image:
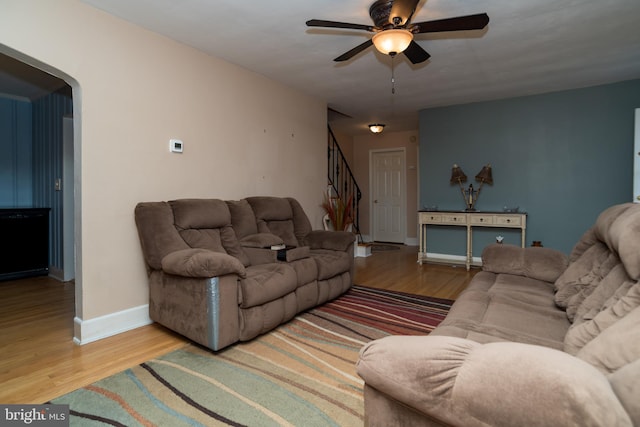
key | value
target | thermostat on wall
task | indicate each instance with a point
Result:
(176, 146)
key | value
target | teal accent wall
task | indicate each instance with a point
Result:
(562, 157)
(16, 157)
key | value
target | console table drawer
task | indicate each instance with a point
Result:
(430, 218)
(481, 219)
(454, 219)
(514, 220)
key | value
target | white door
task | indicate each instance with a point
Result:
(636, 160)
(388, 196)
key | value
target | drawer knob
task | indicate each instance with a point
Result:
(508, 220)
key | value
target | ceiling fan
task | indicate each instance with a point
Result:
(394, 31)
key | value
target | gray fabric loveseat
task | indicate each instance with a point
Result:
(537, 339)
(214, 278)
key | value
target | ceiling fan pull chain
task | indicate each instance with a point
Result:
(393, 78)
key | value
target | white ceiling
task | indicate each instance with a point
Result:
(529, 47)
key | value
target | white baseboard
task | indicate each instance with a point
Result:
(86, 331)
(454, 259)
(411, 241)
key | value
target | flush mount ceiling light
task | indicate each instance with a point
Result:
(376, 128)
(392, 42)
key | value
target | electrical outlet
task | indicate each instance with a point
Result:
(58, 184)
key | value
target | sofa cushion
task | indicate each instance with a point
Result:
(625, 382)
(266, 282)
(580, 273)
(607, 287)
(606, 219)
(269, 208)
(599, 271)
(588, 239)
(618, 306)
(281, 228)
(260, 240)
(274, 215)
(491, 310)
(200, 213)
(623, 238)
(206, 224)
(330, 263)
(158, 235)
(243, 219)
(538, 263)
(301, 224)
(616, 346)
(217, 240)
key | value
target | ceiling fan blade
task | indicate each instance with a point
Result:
(334, 24)
(353, 52)
(402, 9)
(416, 53)
(469, 22)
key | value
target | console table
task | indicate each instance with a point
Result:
(468, 220)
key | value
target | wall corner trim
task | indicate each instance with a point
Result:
(87, 331)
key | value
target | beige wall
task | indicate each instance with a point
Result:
(346, 145)
(133, 91)
(362, 146)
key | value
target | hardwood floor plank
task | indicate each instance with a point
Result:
(39, 361)
(399, 270)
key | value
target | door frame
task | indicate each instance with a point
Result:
(636, 160)
(403, 192)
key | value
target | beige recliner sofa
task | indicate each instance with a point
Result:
(214, 278)
(537, 339)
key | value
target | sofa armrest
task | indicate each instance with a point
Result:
(201, 263)
(206, 310)
(334, 240)
(461, 382)
(537, 263)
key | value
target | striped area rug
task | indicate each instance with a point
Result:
(301, 374)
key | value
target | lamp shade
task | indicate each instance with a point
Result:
(485, 175)
(392, 41)
(376, 127)
(457, 175)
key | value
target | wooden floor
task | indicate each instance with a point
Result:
(39, 361)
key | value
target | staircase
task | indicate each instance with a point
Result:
(342, 183)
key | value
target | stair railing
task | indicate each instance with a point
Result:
(342, 181)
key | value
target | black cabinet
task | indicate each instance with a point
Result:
(24, 242)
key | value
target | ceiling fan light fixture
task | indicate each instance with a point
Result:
(391, 42)
(376, 127)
